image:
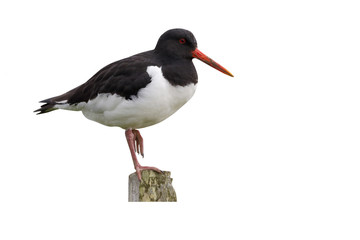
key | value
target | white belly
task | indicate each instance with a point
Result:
(154, 103)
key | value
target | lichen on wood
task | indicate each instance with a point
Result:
(154, 187)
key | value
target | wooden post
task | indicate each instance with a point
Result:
(154, 187)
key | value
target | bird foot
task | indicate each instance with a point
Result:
(136, 145)
(140, 168)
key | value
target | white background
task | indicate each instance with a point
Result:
(270, 154)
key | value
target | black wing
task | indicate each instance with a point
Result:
(124, 77)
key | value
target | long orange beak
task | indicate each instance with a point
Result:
(199, 55)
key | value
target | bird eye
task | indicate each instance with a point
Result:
(182, 40)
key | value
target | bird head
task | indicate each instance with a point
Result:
(181, 44)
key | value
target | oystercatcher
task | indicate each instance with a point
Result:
(139, 91)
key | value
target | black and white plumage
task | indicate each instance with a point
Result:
(139, 91)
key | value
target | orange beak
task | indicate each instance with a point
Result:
(199, 55)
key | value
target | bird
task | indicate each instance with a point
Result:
(139, 91)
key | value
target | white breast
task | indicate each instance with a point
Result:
(154, 103)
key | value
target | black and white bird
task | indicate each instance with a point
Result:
(139, 91)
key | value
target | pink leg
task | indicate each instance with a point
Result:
(138, 143)
(135, 142)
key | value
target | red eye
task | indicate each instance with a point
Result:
(182, 40)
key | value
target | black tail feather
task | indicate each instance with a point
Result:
(50, 103)
(47, 107)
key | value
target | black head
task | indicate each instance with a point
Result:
(176, 43)
(181, 44)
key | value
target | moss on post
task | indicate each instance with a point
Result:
(154, 187)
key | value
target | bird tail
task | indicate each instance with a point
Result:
(53, 103)
(50, 105)
(47, 107)
(58, 102)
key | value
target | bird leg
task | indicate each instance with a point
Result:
(138, 142)
(135, 142)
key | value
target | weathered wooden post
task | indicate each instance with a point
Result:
(154, 187)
